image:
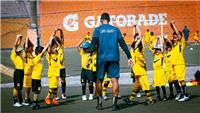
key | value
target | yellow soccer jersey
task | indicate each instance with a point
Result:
(37, 68)
(178, 51)
(158, 61)
(85, 62)
(197, 36)
(139, 62)
(168, 61)
(53, 65)
(94, 62)
(147, 36)
(17, 60)
(61, 57)
(28, 67)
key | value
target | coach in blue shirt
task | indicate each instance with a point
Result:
(108, 38)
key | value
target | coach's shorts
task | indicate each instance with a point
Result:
(27, 81)
(53, 82)
(18, 78)
(87, 75)
(36, 85)
(109, 67)
(62, 73)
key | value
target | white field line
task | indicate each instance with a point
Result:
(125, 78)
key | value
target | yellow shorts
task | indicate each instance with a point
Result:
(180, 71)
(171, 75)
(159, 78)
(143, 81)
(139, 70)
(27, 81)
(53, 82)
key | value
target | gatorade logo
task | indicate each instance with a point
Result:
(70, 22)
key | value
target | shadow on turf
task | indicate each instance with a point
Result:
(61, 103)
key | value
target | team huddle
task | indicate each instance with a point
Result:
(100, 66)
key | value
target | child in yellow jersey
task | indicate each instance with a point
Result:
(147, 36)
(179, 62)
(196, 37)
(52, 58)
(18, 76)
(37, 74)
(87, 70)
(139, 70)
(169, 70)
(60, 42)
(159, 79)
(28, 57)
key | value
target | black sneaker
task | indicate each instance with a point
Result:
(99, 107)
(149, 102)
(128, 101)
(115, 107)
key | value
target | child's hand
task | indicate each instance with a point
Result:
(19, 36)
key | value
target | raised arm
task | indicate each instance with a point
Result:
(61, 35)
(17, 41)
(174, 28)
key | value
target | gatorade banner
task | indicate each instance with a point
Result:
(78, 18)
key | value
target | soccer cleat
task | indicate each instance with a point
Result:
(115, 107)
(64, 97)
(55, 102)
(128, 101)
(178, 96)
(105, 97)
(48, 101)
(148, 102)
(57, 98)
(119, 96)
(164, 98)
(91, 97)
(84, 97)
(17, 104)
(139, 95)
(183, 98)
(35, 106)
(25, 103)
(99, 107)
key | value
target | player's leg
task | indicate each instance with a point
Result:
(63, 83)
(158, 93)
(83, 84)
(27, 89)
(101, 69)
(171, 94)
(164, 93)
(36, 88)
(90, 77)
(113, 73)
(135, 87)
(104, 89)
(48, 99)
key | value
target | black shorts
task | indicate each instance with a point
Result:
(18, 78)
(36, 85)
(87, 75)
(62, 73)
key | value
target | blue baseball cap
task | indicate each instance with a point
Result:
(85, 45)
